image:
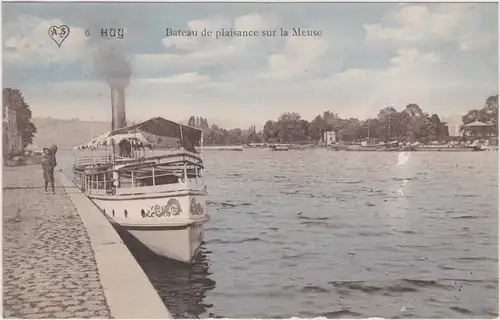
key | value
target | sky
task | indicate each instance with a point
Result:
(442, 56)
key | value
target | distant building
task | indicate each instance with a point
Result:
(12, 140)
(454, 129)
(454, 123)
(329, 137)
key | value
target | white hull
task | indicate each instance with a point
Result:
(490, 148)
(448, 149)
(181, 245)
(222, 148)
(167, 219)
(279, 148)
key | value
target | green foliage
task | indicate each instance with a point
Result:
(14, 98)
(488, 114)
(411, 124)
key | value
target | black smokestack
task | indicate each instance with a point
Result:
(115, 69)
(119, 119)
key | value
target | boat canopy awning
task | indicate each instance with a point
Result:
(135, 139)
(136, 134)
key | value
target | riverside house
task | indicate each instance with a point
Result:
(12, 140)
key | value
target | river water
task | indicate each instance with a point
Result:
(339, 234)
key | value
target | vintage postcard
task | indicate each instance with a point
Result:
(250, 160)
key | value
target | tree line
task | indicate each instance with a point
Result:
(14, 98)
(488, 114)
(410, 124)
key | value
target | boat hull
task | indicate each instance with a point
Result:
(448, 149)
(376, 149)
(279, 148)
(179, 243)
(339, 147)
(222, 148)
(490, 148)
(169, 225)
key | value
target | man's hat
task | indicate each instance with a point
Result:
(53, 149)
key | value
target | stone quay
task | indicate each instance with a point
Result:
(63, 259)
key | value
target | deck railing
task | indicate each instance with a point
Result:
(107, 159)
(159, 170)
(93, 160)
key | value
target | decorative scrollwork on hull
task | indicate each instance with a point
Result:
(195, 208)
(172, 208)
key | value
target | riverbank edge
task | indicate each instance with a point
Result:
(128, 291)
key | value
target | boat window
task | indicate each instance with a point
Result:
(193, 173)
(158, 175)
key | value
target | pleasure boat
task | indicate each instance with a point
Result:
(448, 148)
(338, 147)
(279, 147)
(156, 195)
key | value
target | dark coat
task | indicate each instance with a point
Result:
(48, 164)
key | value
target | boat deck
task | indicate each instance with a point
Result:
(98, 173)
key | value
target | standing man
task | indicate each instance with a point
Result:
(48, 165)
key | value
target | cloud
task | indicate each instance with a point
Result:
(253, 21)
(26, 42)
(200, 50)
(369, 56)
(198, 42)
(412, 77)
(409, 67)
(184, 78)
(187, 54)
(299, 55)
(423, 24)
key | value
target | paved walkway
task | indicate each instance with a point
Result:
(49, 270)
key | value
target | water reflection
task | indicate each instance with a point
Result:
(182, 287)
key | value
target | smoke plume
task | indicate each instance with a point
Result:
(115, 69)
(112, 66)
